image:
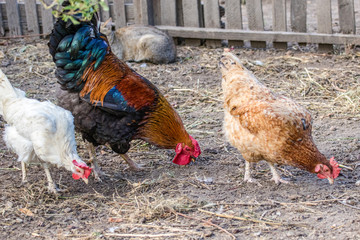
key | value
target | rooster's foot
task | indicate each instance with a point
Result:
(133, 166)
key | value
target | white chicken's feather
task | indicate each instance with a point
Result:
(35, 128)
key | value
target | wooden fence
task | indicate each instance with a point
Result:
(210, 20)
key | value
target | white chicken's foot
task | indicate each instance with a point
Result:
(247, 176)
(93, 160)
(276, 177)
(132, 165)
(23, 170)
(51, 185)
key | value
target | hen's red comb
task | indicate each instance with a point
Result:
(336, 169)
(87, 170)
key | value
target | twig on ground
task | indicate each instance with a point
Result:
(251, 220)
(142, 235)
(310, 203)
(207, 222)
(345, 204)
(343, 166)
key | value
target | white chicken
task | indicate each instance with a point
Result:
(39, 132)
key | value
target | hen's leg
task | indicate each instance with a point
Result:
(93, 161)
(23, 170)
(133, 166)
(51, 185)
(276, 177)
(247, 176)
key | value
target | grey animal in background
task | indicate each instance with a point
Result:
(144, 43)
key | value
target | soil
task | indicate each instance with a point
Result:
(167, 201)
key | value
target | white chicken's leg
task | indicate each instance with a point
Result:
(133, 166)
(247, 176)
(276, 177)
(23, 170)
(93, 161)
(51, 185)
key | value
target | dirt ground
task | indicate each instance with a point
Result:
(208, 199)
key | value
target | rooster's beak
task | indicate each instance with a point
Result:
(331, 180)
(85, 180)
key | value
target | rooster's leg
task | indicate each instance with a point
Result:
(23, 170)
(51, 185)
(276, 177)
(93, 161)
(247, 176)
(133, 166)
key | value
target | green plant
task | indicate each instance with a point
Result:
(84, 7)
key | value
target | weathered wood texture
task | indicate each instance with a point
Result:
(324, 21)
(298, 15)
(191, 18)
(256, 20)
(347, 16)
(119, 13)
(47, 19)
(271, 36)
(212, 19)
(31, 17)
(233, 18)
(13, 16)
(2, 27)
(168, 12)
(105, 15)
(141, 8)
(279, 20)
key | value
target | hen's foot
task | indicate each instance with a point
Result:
(280, 180)
(252, 180)
(276, 177)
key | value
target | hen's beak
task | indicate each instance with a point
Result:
(331, 180)
(193, 159)
(85, 180)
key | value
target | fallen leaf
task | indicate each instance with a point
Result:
(26, 211)
(115, 220)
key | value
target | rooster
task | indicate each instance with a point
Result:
(111, 103)
(39, 131)
(267, 126)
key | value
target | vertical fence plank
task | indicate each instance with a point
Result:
(105, 15)
(13, 16)
(256, 20)
(168, 12)
(279, 20)
(156, 7)
(212, 19)
(47, 18)
(119, 13)
(324, 22)
(31, 17)
(347, 16)
(298, 16)
(141, 12)
(191, 18)
(2, 28)
(179, 13)
(233, 18)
